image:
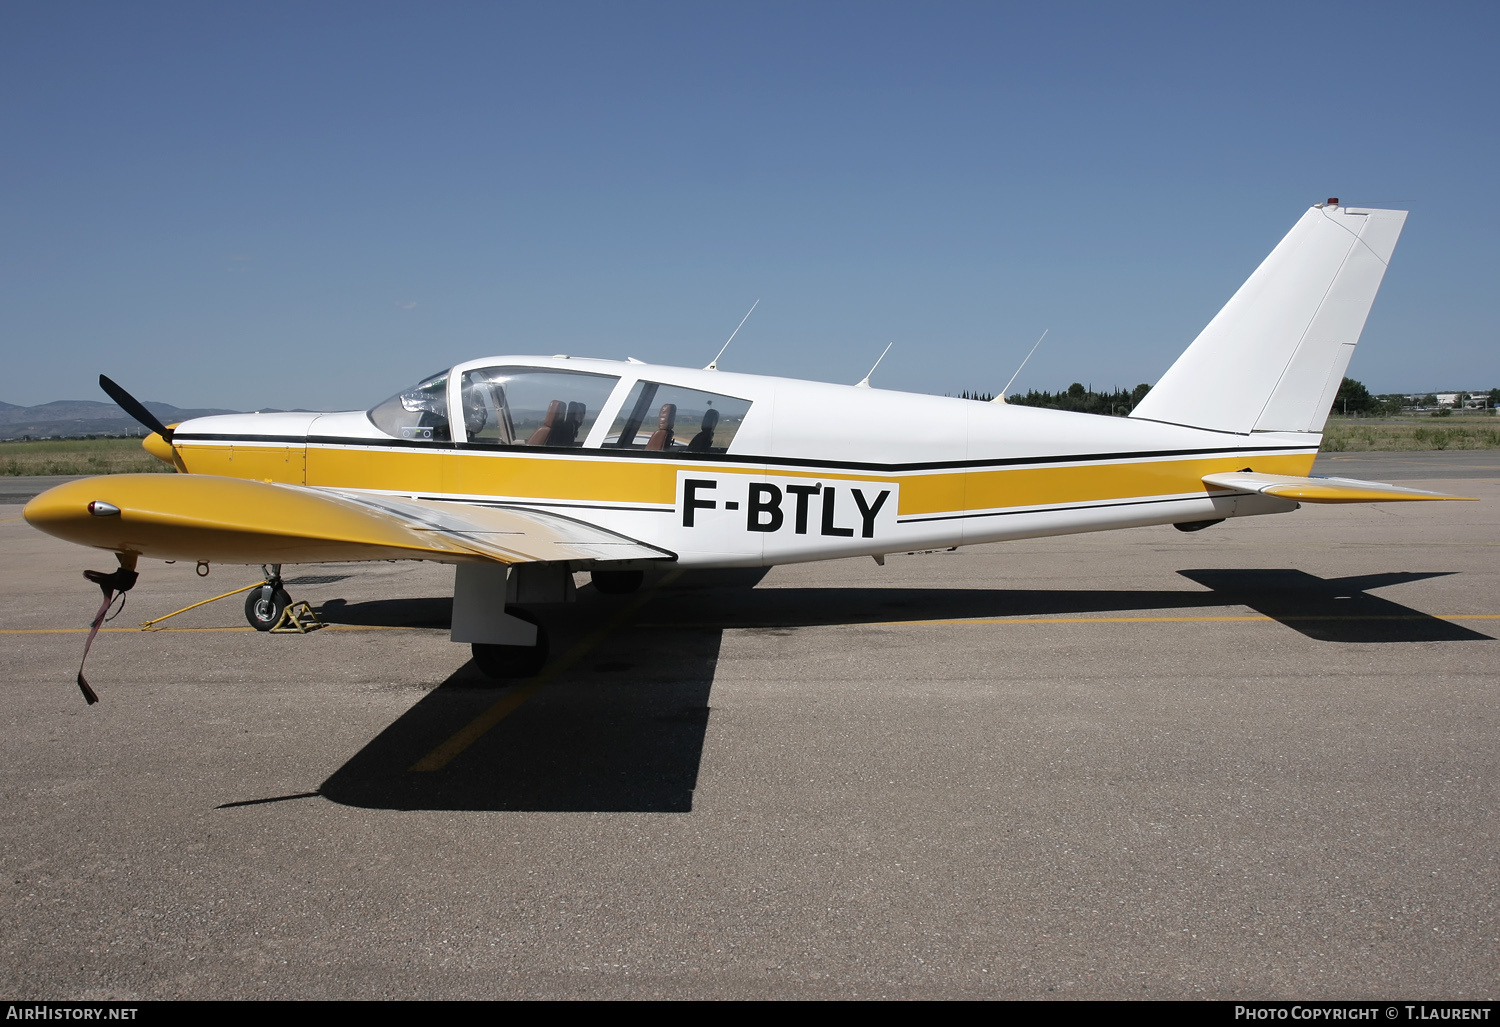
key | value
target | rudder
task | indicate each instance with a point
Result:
(1273, 358)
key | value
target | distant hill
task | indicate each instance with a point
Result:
(69, 418)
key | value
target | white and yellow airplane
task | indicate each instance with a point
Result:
(522, 470)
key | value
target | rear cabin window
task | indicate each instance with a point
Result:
(523, 406)
(669, 418)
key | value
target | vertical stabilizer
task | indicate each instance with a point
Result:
(1273, 358)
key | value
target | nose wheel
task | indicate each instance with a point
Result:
(265, 604)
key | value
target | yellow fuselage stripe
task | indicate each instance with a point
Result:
(654, 482)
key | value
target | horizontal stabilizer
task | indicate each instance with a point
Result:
(1319, 489)
(232, 520)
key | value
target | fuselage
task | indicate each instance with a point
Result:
(728, 469)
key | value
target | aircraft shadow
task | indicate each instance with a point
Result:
(621, 730)
(437, 612)
(809, 607)
(1332, 609)
(389, 613)
(618, 723)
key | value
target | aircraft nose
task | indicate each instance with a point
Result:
(159, 447)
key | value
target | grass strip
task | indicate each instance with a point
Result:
(77, 456)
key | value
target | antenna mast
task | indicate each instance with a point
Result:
(864, 383)
(713, 365)
(1001, 398)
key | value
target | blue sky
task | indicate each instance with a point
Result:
(314, 204)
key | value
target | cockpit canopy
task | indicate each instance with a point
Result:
(508, 405)
(420, 412)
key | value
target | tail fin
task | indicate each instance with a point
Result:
(1273, 358)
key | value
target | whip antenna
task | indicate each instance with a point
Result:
(713, 365)
(1001, 398)
(864, 383)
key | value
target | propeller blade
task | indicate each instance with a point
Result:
(135, 408)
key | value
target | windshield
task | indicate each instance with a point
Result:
(524, 406)
(420, 412)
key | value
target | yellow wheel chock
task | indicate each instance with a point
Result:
(297, 619)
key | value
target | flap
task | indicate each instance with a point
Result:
(1319, 489)
(514, 534)
(232, 520)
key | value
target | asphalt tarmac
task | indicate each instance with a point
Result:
(1258, 761)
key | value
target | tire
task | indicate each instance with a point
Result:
(264, 606)
(617, 583)
(511, 662)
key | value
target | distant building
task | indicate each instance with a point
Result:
(1473, 399)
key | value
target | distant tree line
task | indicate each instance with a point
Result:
(1077, 397)
(1352, 399)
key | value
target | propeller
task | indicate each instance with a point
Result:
(135, 408)
(122, 580)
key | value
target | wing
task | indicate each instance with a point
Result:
(232, 520)
(1319, 490)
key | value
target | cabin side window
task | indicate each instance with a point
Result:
(522, 406)
(669, 418)
(420, 412)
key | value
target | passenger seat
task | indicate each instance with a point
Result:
(666, 420)
(543, 435)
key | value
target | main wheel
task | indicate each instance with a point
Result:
(502, 662)
(617, 583)
(264, 606)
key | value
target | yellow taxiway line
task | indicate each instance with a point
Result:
(167, 631)
(593, 640)
(970, 621)
(961, 621)
(476, 728)
(471, 732)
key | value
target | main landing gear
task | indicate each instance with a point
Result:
(507, 662)
(265, 604)
(507, 642)
(617, 583)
